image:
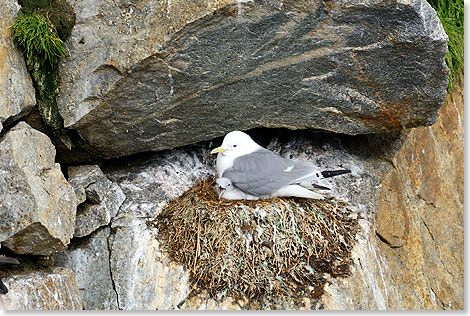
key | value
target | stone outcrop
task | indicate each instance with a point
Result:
(420, 214)
(139, 268)
(154, 79)
(42, 290)
(130, 272)
(17, 96)
(100, 198)
(89, 261)
(38, 204)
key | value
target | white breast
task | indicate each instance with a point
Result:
(223, 162)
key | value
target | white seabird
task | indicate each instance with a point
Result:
(256, 173)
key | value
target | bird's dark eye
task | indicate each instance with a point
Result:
(234, 145)
(228, 184)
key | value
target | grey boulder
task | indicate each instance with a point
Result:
(37, 203)
(89, 261)
(54, 289)
(346, 67)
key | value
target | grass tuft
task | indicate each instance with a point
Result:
(257, 251)
(35, 34)
(451, 14)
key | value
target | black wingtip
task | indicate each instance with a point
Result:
(320, 187)
(6, 261)
(3, 288)
(332, 173)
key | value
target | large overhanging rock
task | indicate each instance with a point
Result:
(347, 67)
(16, 88)
(37, 204)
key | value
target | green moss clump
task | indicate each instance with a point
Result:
(451, 14)
(59, 12)
(40, 31)
(34, 33)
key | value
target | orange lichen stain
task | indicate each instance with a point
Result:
(231, 11)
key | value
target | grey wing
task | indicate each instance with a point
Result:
(263, 172)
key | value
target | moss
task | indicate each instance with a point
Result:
(45, 75)
(46, 82)
(451, 14)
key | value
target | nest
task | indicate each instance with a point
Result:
(257, 250)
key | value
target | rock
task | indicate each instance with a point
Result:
(42, 290)
(38, 204)
(421, 213)
(144, 278)
(102, 198)
(18, 95)
(337, 66)
(89, 260)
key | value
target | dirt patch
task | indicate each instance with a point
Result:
(257, 250)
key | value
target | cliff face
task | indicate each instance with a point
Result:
(159, 75)
(413, 256)
(420, 212)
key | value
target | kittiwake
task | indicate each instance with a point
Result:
(256, 173)
(226, 190)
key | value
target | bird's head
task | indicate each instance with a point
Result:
(236, 144)
(223, 185)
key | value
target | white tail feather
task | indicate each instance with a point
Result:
(298, 191)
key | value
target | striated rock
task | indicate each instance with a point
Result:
(43, 290)
(17, 96)
(89, 260)
(101, 198)
(38, 204)
(156, 79)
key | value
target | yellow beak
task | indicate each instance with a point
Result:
(218, 150)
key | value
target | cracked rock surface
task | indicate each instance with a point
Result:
(100, 198)
(89, 260)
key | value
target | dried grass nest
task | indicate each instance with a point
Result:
(257, 250)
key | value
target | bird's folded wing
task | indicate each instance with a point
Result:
(264, 172)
